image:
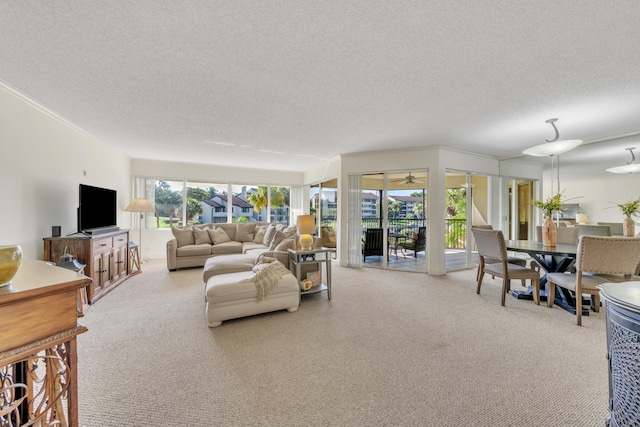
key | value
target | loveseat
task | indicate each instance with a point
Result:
(193, 245)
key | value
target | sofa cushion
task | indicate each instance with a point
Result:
(218, 235)
(249, 246)
(277, 238)
(201, 236)
(227, 264)
(231, 247)
(286, 244)
(258, 236)
(184, 235)
(202, 226)
(194, 250)
(244, 232)
(230, 229)
(231, 287)
(268, 234)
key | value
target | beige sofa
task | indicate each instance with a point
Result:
(193, 245)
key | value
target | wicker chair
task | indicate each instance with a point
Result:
(491, 246)
(600, 259)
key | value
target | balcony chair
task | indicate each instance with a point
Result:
(372, 244)
(416, 243)
(491, 246)
(600, 259)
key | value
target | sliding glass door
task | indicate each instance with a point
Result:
(393, 220)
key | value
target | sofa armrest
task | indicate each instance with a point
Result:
(172, 249)
(281, 256)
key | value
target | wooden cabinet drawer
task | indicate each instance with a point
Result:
(101, 245)
(120, 240)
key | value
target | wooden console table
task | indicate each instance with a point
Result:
(106, 257)
(38, 359)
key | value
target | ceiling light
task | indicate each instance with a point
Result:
(553, 146)
(630, 167)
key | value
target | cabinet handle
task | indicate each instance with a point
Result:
(103, 244)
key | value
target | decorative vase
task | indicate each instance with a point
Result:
(628, 229)
(10, 260)
(549, 232)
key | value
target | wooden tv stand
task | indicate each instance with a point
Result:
(106, 257)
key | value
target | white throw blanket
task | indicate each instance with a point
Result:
(266, 275)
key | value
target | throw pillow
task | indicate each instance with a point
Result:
(218, 235)
(290, 231)
(201, 236)
(268, 234)
(286, 244)
(278, 237)
(244, 232)
(184, 235)
(258, 237)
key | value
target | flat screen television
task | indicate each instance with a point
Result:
(97, 210)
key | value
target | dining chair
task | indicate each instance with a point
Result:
(510, 259)
(615, 227)
(594, 230)
(491, 246)
(600, 259)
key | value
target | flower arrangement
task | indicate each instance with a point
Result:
(551, 205)
(630, 208)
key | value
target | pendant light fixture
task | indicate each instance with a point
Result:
(553, 146)
(630, 167)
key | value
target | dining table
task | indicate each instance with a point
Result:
(553, 259)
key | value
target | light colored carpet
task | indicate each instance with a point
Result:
(390, 349)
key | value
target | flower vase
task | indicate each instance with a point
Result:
(628, 227)
(10, 260)
(549, 232)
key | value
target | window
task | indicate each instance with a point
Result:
(180, 202)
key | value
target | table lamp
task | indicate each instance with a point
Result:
(140, 206)
(581, 218)
(306, 226)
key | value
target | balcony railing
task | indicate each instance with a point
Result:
(455, 228)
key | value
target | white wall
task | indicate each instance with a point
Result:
(597, 191)
(43, 159)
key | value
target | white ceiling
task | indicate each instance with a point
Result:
(314, 79)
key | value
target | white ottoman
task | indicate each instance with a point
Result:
(228, 298)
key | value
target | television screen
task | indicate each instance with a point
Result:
(97, 208)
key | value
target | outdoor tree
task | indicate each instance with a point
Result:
(259, 198)
(197, 194)
(167, 201)
(194, 208)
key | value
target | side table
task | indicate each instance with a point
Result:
(319, 256)
(134, 259)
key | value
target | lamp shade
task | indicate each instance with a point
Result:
(306, 224)
(140, 205)
(552, 148)
(581, 218)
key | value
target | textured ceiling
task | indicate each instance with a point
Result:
(172, 80)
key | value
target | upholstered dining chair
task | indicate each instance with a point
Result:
(594, 230)
(600, 259)
(510, 259)
(491, 246)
